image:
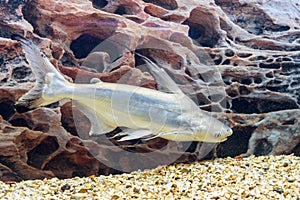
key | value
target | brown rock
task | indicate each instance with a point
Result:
(241, 65)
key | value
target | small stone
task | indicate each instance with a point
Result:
(278, 189)
(290, 180)
(115, 197)
(65, 187)
(83, 190)
(136, 190)
(285, 164)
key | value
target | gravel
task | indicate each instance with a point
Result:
(264, 177)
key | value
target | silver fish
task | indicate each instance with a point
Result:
(145, 113)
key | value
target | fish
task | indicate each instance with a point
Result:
(142, 113)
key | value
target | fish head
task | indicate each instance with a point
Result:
(212, 131)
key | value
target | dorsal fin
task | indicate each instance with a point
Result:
(165, 82)
(39, 63)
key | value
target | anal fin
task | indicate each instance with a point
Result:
(176, 135)
(98, 126)
(135, 134)
(204, 148)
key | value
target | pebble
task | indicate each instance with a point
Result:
(264, 177)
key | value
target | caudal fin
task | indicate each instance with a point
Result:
(40, 66)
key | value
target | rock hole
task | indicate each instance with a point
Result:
(218, 60)
(37, 155)
(295, 84)
(232, 94)
(244, 55)
(7, 109)
(261, 58)
(244, 90)
(201, 100)
(84, 44)
(297, 94)
(257, 80)
(277, 88)
(42, 127)
(202, 29)
(124, 10)
(135, 19)
(277, 81)
(251, 65)
(195, 31)
(235, 80)
(278, 28)
(60, 165)
(20, 122)
(226, 62)
(3, 70)
(283, 59)
(212, 56)
(31, 14)
(166, 4)
(289, 67)
(289, 122)
(287, 58)
(229, 53)
(270, 74)
(20, 73)
(263, 147)
(226, 80)
(246, 81)
(269, 66)
(99, 3)
(187, 72)
(270, 106)
(237, 143)
(246, 106)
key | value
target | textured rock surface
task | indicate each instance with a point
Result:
(239, 59)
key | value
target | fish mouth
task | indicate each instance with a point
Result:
(223, 140)
(229, 133)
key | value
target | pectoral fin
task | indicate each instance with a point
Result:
(176, 135)
(98, 126)
(204, 148)
(135, 134)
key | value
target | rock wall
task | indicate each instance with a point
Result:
(237, 59)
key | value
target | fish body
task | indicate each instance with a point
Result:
(144, 112)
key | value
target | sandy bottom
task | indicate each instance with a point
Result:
(265, 177)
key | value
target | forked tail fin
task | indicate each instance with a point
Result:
(40, 66)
